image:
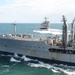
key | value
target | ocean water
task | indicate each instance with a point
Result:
(27, 66)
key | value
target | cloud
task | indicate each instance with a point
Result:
(29, 10)
(52, 6)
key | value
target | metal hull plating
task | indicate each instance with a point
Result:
(35, 49)
(30, 48)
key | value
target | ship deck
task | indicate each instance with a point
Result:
(23, 37)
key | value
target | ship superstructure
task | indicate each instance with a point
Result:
(45, 25)
(50, 49)
(46, 29)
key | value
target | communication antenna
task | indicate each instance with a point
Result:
(14, 29)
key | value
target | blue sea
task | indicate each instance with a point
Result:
(11, 66)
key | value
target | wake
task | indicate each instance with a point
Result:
(51, 31)
(55, 68)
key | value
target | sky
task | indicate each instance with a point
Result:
(34, 11)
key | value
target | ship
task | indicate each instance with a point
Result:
(45, 25)
(46, 29)
(50, 49)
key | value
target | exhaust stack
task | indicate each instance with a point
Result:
(73, 30)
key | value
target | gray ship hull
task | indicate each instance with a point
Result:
(30, 48)
(37, 50)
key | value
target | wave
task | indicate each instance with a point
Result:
(16, 55)
(40, 64)
(5, 66)
(69, 70)
(55, 71)
(14, 60)
(25, 58)
(51, 31)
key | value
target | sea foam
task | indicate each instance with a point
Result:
(69, 70)
(14, 60)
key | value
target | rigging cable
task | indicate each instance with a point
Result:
(4, 71)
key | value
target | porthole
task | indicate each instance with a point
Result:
(38, 47)
(43, 47)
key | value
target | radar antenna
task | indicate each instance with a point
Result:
(45, 18)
